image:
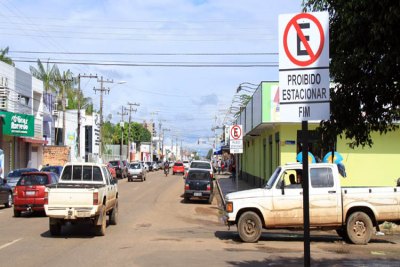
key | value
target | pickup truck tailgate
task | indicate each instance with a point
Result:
(65, 197)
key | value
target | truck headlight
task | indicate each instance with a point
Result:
(229, 207)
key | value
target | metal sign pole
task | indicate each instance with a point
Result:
(306, 198)
(237, 171)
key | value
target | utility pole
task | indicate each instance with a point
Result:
(63, 102)
(102, 89)
(123, 113)
(151, 140)
(78, 139)
(129, 126)
(163, 137)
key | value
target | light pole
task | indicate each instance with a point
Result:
(122, 113)
(102, 89)
(151, 139)
(163, 137)
(79, 109)
(129, 126)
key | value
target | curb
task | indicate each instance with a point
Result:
(220, 193)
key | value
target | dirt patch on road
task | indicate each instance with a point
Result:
(207, 211)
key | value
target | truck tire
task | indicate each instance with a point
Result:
(114, 214)
(359, 228)
(249, 227)
(17, 213)
(54, 227)
(101, 229)
(9, 200)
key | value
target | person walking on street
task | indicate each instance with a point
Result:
(219, 166)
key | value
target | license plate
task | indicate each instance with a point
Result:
(197, 194)
(30, 193)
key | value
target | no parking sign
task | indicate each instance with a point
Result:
(304, 66)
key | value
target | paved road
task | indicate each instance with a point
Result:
(157, 229)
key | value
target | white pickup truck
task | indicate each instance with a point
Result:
(353, 211)
(84, 192)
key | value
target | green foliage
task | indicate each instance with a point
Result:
(48, 75)
(4, 57)
(209, 154)
(365, 67)
(112, 134)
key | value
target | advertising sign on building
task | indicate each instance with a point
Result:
(304, 67)
(17, 124)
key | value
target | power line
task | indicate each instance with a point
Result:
(184, 65)
(148, 54)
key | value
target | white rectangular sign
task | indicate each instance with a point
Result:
(236, 139)
(304, 67)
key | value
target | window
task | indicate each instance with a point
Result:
(77, 173)
(66, 173)
(97, 174)
(87, 173)
(199, 176)
(321, 177)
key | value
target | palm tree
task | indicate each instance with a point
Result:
(48, 75)
(4, 58)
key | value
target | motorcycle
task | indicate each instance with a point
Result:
(166, 171)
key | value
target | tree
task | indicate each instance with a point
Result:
(48, 75)
(365, 68)
(210, 154)
(4, 57)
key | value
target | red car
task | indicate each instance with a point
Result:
(29, 191)
(112, 170)
(178, 168)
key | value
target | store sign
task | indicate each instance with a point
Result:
(16, 124)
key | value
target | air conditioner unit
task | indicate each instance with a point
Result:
(55, 113)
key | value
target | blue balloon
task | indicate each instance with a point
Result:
(311, 158)
(337, 158)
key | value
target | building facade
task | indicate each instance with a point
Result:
(268, 143)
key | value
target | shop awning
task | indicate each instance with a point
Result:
(34, 141)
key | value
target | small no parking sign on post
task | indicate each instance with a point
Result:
(236, 139)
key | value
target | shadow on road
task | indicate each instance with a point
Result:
(68, 230)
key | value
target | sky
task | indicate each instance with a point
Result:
(182, 60)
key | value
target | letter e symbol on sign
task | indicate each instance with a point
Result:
(235, 133)
(301, 52)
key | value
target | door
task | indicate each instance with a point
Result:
(325, 206)
(287, 207)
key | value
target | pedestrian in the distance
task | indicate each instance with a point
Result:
(219, 166)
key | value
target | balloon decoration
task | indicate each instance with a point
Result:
(311, 158)
(337, 158)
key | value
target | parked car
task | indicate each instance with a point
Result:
(186, 164)
(198, 184)
(112, 170)
(136, 171)
(178, 168)
(150, 165)
(29, 191)
(155, 166)
(121, 168)
(5, 193)
(14, 175)
(145, 166)
(202, 164)
(56, 169)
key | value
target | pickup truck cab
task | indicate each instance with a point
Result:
(352, 211)
(84, 192)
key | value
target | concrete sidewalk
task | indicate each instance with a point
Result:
(227, 185)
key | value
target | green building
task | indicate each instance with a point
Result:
(268, 143)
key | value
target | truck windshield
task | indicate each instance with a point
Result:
(272, 179)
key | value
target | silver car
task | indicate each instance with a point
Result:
(136, 170)
(14, 175)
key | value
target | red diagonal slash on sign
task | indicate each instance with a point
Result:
(313, 56)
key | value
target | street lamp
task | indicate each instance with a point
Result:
(246, 86)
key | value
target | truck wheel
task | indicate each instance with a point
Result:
(114, 214)
(17, 213)
(9, 201)
(249, 227)
(55, 227)
(359, 228)
(101, 229)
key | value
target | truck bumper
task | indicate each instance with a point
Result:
(71, 213)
